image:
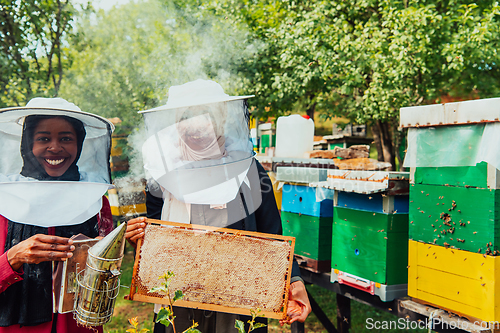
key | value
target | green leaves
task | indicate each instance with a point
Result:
(240, 326)
(167, 279)
(192, 330)
(165, 316)
(33, 52)
(157, 290)
(364, 60)
(178, 295)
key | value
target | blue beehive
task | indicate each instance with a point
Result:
(307, 215)
(302, 200)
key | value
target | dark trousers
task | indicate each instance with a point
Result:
(208, 321)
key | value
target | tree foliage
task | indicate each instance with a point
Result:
(362, 60)
(33, 52)
(125, 59)
(365, 59)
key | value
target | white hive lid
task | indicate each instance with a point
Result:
(457, 113)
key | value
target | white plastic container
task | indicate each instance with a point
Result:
(294, 136)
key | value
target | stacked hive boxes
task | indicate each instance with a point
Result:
(128, 198)
(454, 206)
(307, 216)
(267, 137)
(370, 231)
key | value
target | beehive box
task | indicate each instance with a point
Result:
(368, 182)
(452, 153)
(300, 175)
(481, 175)
(313, 239)
(310, 222)
(463, 282)
(465, 218)
(373, 246)
(217, 269)
(128, 198)
(375, 202)
(386, 292)
(370, 221)
(302, 200)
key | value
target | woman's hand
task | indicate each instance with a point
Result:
(135, 230)
(39, 248)
(298, 304)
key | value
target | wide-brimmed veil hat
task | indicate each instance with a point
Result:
(44, 202)
(195, 93)
(214, 173)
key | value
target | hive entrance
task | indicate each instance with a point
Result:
(217, 269)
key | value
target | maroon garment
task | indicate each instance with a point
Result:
(65, 322)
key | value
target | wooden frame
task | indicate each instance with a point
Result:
(154, 298)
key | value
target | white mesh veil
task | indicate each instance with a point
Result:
(53, 202)
(190, 150)
(198, 147)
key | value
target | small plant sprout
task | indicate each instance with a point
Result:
(135, 323)
(240, 326)
(166, 314)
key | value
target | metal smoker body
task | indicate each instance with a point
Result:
(99, 283)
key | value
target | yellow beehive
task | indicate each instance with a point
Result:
(463, 282)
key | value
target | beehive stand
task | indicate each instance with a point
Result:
(217, 269)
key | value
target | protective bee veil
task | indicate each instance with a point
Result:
(199, 150)
(54, 163)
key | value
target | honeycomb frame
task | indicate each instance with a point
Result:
(263, 283)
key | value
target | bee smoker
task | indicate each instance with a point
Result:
(99, 282)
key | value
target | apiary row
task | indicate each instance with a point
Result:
(431, 234)
(383, 242)
(352, 224)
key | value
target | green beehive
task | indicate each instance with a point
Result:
(466, 218)
(265, 140)
(370, 245)
(481, 175)
(313, 238)
(452, 155)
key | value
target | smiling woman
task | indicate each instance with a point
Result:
(51, 189)
(54, 143)
(47, 146)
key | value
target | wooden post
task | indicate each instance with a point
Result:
(343, 313)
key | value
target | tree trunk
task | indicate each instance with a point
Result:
(376, 140)
(310, 110)
(385, 138)
(398, 141)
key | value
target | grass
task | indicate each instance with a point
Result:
(125, 309)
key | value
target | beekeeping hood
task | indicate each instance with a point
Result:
(27, 193)
(198, 146)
